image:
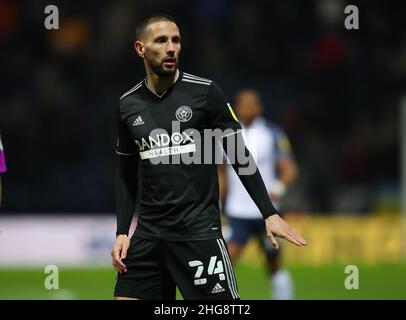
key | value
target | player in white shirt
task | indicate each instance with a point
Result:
(271, 149)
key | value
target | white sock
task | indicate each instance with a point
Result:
(281, 285)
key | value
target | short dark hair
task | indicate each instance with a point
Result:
(151, 19)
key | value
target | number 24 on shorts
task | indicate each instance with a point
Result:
(212, 269)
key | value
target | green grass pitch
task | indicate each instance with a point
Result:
(323, 282)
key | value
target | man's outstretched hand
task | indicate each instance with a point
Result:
(119, 252)
(277, 227)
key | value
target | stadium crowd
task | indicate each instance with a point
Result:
(335, 92)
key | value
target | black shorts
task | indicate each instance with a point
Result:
(200, 269)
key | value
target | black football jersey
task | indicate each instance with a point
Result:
(165, 137)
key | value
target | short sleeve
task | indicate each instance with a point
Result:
(125, 145)
(282, 144)
(3, 167)
(222, 115)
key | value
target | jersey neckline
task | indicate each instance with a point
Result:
(167, 90)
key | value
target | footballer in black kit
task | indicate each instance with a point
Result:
(178, 240)
(178, 201)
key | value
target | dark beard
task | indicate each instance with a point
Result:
(160, 71)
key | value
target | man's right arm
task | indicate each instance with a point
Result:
(126, 182)
(126, 185)
(126, 191)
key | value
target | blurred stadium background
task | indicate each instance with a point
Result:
(336, 92)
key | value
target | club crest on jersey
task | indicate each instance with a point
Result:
(183, 113)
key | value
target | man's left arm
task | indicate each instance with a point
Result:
(223, 118)
(246, 168)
